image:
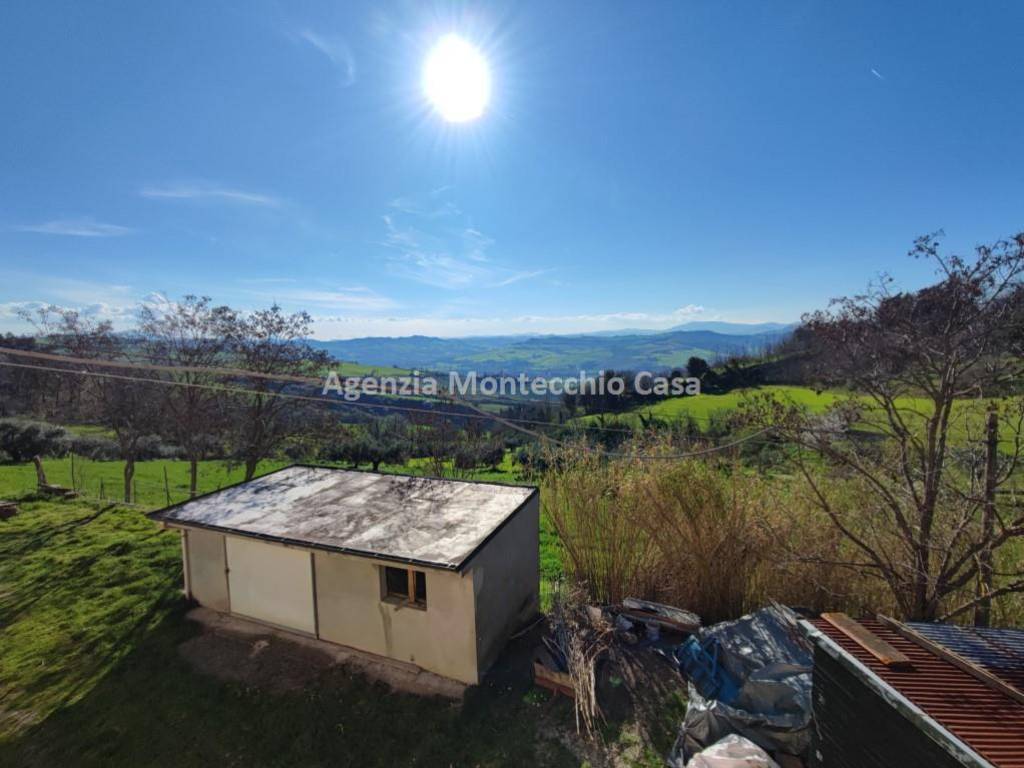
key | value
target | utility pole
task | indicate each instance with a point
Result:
(983, 611)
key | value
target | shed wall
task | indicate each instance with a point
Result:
(857, 728)
(439, 638)
(506, 583)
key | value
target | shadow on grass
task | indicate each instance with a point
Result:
(153, 709)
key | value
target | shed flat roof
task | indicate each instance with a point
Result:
(422, 520)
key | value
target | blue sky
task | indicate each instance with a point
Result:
(639, 165)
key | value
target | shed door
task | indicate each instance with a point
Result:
(208, 582)
(271, 583)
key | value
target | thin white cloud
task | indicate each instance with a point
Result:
(354, 326)
(266, 280)
(337, 51)
(76, 228)
(208, 192)
(17, 316)
(437, 269)
(520, 276)
(432, 211)
(48, 287)
(453, 255)
(350, 298)
(355, 311)
(877, 74)
(477, 244)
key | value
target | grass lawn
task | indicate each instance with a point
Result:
(90, 619)
(104, 480)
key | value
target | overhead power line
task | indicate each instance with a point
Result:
(310, 380)
(477, 412)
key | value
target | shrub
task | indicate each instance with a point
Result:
(21, 439)
(94, 447)
(152, 447)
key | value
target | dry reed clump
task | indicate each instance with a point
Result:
(704, 523)
(704, 534)
(581, 638)
(590, 503)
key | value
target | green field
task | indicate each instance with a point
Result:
(701, 408)
(104, 480)
(966, 421)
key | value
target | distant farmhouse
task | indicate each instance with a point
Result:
(434, 572)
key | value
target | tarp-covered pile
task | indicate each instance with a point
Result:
(750, 677)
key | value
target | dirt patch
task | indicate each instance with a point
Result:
(265, 662)
(232, 648)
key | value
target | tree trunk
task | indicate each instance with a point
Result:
(129, 473)
(983, 611)
(250, 467)
(193, 471)
(40, 474)
(376, 465)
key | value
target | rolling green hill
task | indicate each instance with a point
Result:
(550, 355)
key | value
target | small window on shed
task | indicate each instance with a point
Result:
(405, 584)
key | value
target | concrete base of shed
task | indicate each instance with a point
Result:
(317, 654)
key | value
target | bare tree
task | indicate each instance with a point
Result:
(271, 343)
(922, 523)
(191, 336)
(124, 402)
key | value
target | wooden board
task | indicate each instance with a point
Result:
(553, 680)
(869, 641)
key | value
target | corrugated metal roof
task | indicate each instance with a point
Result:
(989, 722)
(1000, 651)
(422, 520)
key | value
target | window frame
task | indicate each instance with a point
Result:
(414, 580)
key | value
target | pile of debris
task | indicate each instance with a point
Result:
(748, 681)
(615, 662)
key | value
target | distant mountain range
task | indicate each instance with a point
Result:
(718, 326)
(561, 355)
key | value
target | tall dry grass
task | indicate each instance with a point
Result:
(591, 503)
(703, 534)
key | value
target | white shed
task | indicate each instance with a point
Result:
(434, 572)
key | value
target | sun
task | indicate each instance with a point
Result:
(457, 79)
